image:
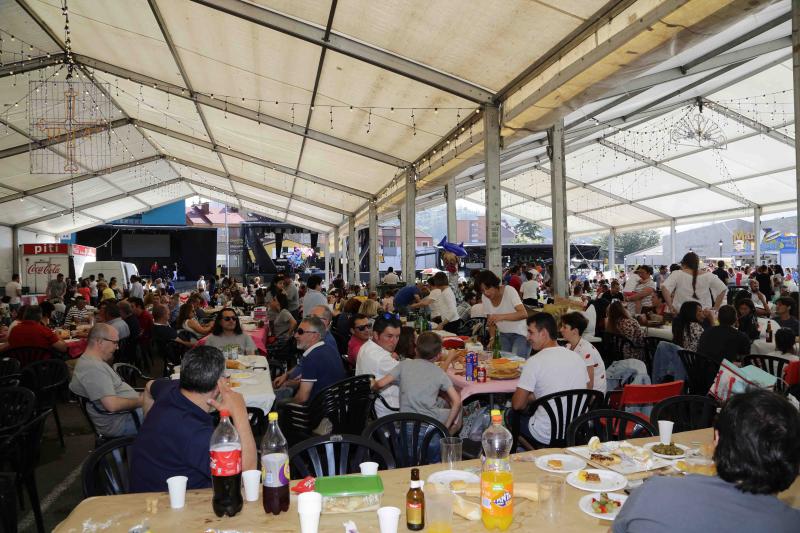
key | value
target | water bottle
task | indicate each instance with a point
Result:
(275, 468)
(226, 467)
(497, 482)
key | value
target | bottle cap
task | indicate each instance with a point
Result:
(224, 413)
(272, 416)
(495, 412)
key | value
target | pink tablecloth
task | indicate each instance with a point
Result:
(76, 347)
(257, 335)
(491, 386)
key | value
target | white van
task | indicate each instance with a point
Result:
(112, 269)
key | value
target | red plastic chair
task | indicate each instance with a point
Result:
(648, 394)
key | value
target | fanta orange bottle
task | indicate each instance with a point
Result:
(497, 482)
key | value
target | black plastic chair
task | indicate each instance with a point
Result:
(131, 375)
(169, 352)
(688, 412)
(8, 502)
(17, 406)
(650, 347)
(607, 425)
(258, 423)
(11, 380)
(28, 354)
(19, 453)
(8, 366)
(700, 372)
(770, 364)
(100, 438)
(407, 436)
(346, 404)
(614, 347)
(48, 380)
(336, 455)
(561, 408)
(106, 472)
(127, 351)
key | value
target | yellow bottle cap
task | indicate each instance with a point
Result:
(495, 412)
(272, 416)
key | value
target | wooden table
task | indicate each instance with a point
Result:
(119, 513)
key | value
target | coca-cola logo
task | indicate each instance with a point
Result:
(44, 268)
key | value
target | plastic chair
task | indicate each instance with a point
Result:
(614, 347)
(99, 438)
(650, 346)
(700, 371)
(106, 472)
(771, 364)
(28, 354)
(47, 379)
(258, 423)
(607, 424)
(346, 404)
(131, 374)
(688, 412)
(407, 436)
(561, 408)
(11, 380)
(17, 405)
(8, 502)
(9, 365)
(648, 394)
(336, 455)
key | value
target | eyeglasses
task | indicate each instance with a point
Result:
(301, 331)
(110, 340)
(228, 318)
(362, 328)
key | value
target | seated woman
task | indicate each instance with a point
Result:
(407, 344)
(748, 322)
(619, 322)
(227, 333)
(189, 325)
(688, 325)
(369, 308)
(284, 324)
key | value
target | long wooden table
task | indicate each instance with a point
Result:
(120, 513)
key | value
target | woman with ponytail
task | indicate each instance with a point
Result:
(690, 284)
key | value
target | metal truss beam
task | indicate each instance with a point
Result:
(352, 48)
(749, 122)
(58, 139)
(29, 65)
(252, 159)
(545, 203)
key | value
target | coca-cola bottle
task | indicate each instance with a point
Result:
(275, 465)
(226, 467)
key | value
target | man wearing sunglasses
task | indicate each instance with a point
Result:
(321, 365)
(110, 397)
(360, 332)
(228, 332)
(377, 357)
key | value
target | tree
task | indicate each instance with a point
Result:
(627, 243)
(528, 231)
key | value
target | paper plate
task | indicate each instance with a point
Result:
(444, 477)
(650, 445)
(609, 481)
(585, 505)
(571, 463)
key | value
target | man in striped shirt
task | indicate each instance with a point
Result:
(78, 314)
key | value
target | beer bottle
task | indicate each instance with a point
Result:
(415, 503)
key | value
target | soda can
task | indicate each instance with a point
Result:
(481, 374)
(469, 366)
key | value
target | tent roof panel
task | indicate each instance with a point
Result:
(30, 209)
(345, 168)
(84, 192)
(142, 175)
(320, 193)
(305, 223)
(112, 210)
(299, 208)
(10, 139)
(25, 29)
(254, 193)
(643, 184)
(765, 189)
(314, 11)
(258, 174)
(620, 215)
(63, 224)
(160, 195)
(15, 172)
(692, 203)
(184, 150)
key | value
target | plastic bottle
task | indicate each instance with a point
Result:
(226, 467)
(497, 482)
(275, 468)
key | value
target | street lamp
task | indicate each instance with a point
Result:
(720, 247)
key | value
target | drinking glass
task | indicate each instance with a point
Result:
(551, 497)
(451, 452)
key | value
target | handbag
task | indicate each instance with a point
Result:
(731, 380)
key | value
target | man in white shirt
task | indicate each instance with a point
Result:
(201, 283)
(553, 369)
(529, 289)
(137, 289)
(377, 357)
(93, 290)
(14, 292)
(390, 278)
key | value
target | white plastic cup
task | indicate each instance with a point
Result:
(177, 491)
(369, 468)
(388, 518)
(252, 483)
(665, 431)
(309, 506)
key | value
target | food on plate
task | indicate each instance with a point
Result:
(235, 384)
(594, 444)
(667, 449)
(467, 509)
(555, 464)
(234, 364)
(588, 477)
(691, 467)
(604, 504)
(636, 453)
(604, 459)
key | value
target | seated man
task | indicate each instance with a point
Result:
(162, 331)
(757, 438)
(30, 332)
(323, 312)
(553, 369)
(96, 381)
(360, 332)
(319, 366)
(377, 357)
(175, 435)
(786, 315)
(78, 313)
(724, 341)
(110, 314)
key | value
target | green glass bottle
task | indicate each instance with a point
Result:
(496, 344)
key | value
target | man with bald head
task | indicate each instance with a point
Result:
(323, 312)
(109, 397)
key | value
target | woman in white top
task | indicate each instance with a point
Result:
(442, 302)
(689, 283)
(504, 310)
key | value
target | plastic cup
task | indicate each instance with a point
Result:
(309, 506)
(665, 431)
(369, 468)
(388, 518)
(451, 452)
(252, 483)
(439, 511)
(177, 491)
(551, 497)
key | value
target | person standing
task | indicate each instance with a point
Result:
(390, 278)
(14, 292)
(689, 283)
(93, 291)
(56, 288)
(505, 312)
(137, 289)
(721, 273)
(201, 283)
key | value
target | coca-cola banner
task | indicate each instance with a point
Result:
(48, 269)
(38, 270)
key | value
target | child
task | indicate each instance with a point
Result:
(784, 345)
(421, 380)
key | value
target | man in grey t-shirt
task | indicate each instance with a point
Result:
(292, 296)
(56, 288)
(110, 397)
(757, 437)
(313, 295)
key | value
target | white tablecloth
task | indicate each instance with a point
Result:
(759, 346)
(257, 387)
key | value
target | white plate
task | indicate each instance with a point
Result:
(650, 445)
(444, 477)
(571, 463)
(585, 505)
(609, 481)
